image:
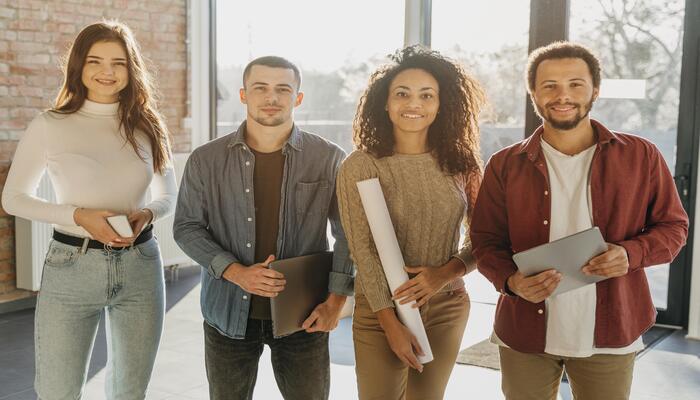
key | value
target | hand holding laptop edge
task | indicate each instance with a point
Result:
(611, 264)
(325, 317)
(534, 288)
(566, 264)
(257, 279)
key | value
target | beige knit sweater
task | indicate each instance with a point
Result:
(427, 208)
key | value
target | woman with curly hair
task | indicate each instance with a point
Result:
(104, 146)
(416, 130)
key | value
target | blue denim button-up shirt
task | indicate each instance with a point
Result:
(215, 217)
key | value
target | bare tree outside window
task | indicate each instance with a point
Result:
(642, 40)
(638, 40)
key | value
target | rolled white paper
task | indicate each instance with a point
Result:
(392, 260)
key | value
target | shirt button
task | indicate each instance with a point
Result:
(247, 163)
(247, 190)
(250, 219)
(546, 192)
(546, 222)
(540, 311)
(247, 245)
(245, 297)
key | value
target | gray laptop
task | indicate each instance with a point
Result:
(567, 255)
(307, 287)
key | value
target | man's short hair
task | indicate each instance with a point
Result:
(559, 50)
(273, 62)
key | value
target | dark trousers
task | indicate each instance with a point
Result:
(300, 362)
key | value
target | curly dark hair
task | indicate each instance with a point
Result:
(454, 135)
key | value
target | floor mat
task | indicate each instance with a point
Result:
(483, 354)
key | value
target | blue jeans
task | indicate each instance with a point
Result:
(76, 287)
(300, 362)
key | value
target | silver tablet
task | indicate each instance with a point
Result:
(567, 255)
(307, 287)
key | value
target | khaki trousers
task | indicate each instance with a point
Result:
(527, 376)
(380, 374)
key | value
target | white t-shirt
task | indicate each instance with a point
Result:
(90, 165)
(571, 315)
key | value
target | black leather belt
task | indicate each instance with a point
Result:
(70, 240)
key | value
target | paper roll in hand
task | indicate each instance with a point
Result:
(390, 255)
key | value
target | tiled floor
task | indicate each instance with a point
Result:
(670, 370)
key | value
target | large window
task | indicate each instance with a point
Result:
(335, 44)
(640, 47)
(492, 44)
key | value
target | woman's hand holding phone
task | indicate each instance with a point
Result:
(95, 223)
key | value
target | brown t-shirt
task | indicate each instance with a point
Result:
(267, 189)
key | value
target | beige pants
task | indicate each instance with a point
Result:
(382, 376)
(527, 376)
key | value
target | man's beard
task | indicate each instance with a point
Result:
(565, 125)
(269, 121)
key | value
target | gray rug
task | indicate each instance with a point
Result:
(482, 354)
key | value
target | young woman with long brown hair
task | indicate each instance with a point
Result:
(103, 145)
(416, 130)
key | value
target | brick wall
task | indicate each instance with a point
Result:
(35, 34)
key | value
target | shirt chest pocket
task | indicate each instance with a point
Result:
(313, 198)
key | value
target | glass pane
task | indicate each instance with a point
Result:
(640, 41)
(640, 47)
(497, 59)
(492, 44)
(335, 44)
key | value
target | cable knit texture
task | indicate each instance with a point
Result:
(427, 208)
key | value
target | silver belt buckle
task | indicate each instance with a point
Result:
(84, 247)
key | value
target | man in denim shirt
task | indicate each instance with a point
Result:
(263, 192)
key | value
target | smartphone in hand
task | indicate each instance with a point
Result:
(121, 225)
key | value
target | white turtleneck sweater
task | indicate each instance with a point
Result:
(90, 165)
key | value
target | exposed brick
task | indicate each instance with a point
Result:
(8, 35)
(8, 13)
(67, 28)
(7, 276)
(7, 243)
(25, 36)
(89, 10)
(7, 223)
(67, 7)
(33, 58)
(37, 4)
(7, 288)
(42, 37)
(30, 73)
(7, 246)
(134, 15)
(23, 113)
(27, 91)
(29, 25)
(27, 47)
(23, 4)
(11, 124)
(7, 150)
(7, 266)
(33, 15)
